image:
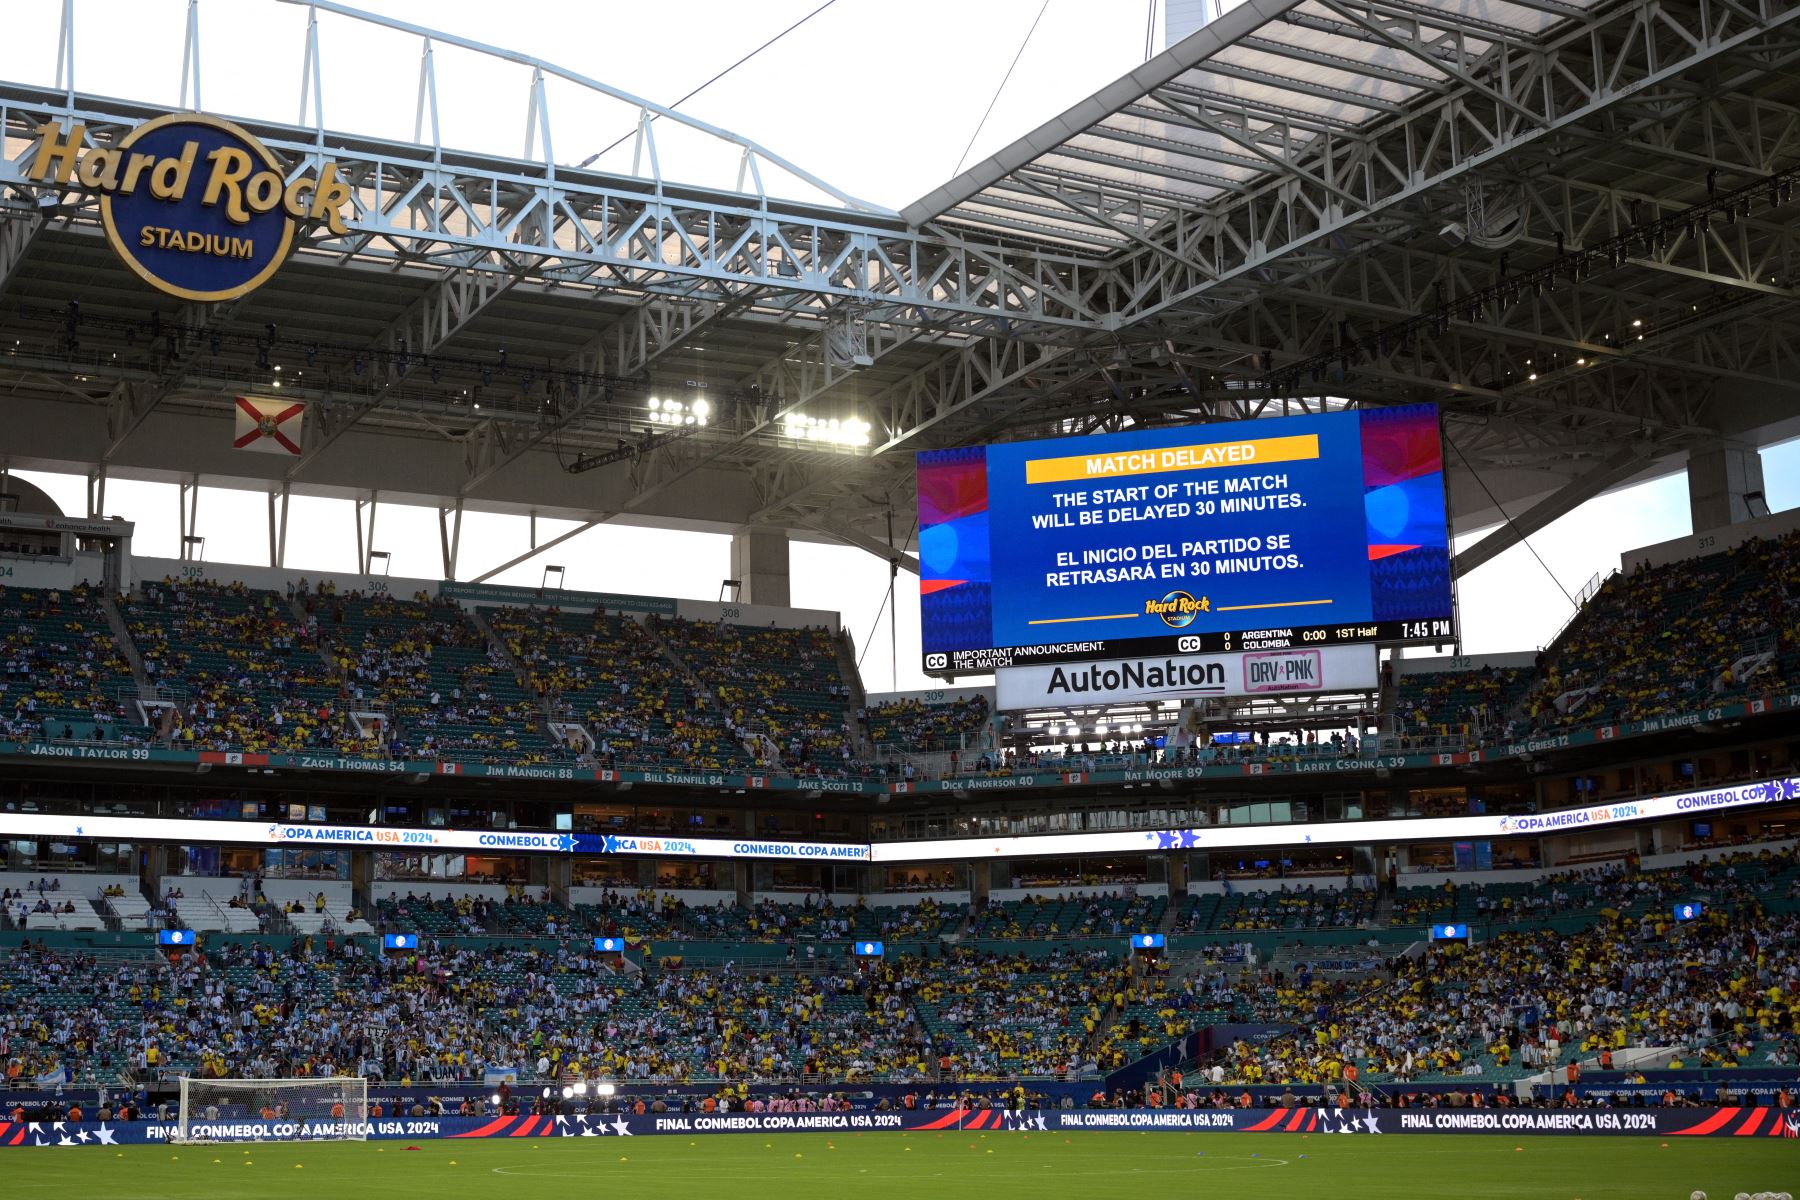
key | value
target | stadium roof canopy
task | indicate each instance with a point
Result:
(1567, 223)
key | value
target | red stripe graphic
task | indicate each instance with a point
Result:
(946, 1121)
(1752, 1123)
(524, 1129)
(489, 1130)
(1312, 1122)
(1717, 1121)
(18, 1137)
(1269, 1122)
(1293, 1126)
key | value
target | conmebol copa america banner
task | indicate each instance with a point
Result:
(67, 826)
(1669, 1122)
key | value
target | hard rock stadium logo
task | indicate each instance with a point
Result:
(196, 206)
(1177, 609)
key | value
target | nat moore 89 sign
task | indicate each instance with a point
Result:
(195, 205)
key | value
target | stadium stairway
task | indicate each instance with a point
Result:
(545, 714)
(698, 685)
(115, 621)
(680, 664)
(856, 699)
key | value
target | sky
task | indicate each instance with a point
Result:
(879, 101)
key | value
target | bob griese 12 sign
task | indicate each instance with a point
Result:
(196, 206)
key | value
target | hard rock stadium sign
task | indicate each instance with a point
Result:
(195, 205)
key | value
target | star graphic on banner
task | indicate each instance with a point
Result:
(1373, 1122)
(104, 1136)
(78, 831)
(588, 1133)
(1190, 838)
(1166, 841)
(561, 1120)
(621, 1128)
(57, 1127)
(67, 1141)
(565, 842)
(35, 1127)
(581, 1118)
(83, 1136)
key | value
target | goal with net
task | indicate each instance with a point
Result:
(261, 1110)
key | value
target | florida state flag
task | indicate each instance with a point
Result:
(268, 426)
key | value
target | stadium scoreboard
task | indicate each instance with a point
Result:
(1265, 535)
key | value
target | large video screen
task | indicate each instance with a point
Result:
(1244, 535)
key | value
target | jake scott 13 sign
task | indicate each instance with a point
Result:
(1249, 673)
(195, 205)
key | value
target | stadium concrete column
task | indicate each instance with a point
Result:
(1177, 875)
(362, 879)
(1725, 484)
(759, 562)
(153, 864)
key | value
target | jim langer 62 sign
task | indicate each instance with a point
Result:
(195, 205)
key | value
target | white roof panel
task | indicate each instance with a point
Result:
(1225, 108)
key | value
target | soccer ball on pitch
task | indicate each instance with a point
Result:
(1696, 1194)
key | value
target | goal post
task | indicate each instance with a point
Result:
(335, 1108)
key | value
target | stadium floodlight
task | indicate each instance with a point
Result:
(581, 1087)
(605, 1089)
(568, 1092)
(546, 1093)
(335, 1108)
(495, 1099)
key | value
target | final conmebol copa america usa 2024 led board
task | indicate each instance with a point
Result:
(1265, 534)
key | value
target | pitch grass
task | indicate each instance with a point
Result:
(1043, 1166)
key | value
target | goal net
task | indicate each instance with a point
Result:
(261, 1110)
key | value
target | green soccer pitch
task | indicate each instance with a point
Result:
(1088, 1166)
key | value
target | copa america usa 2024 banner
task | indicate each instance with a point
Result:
(1670, 1122)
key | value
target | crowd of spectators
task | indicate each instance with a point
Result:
(245, 672)
(1674, 637)
(1719, 991)
(781, 690)
(63, 672)
(610, 675)
(926, 726)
